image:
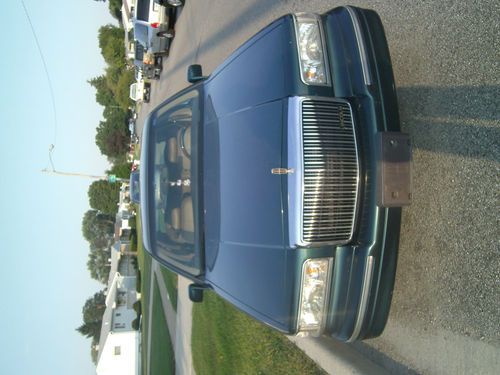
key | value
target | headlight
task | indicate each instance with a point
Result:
(315, 282)
(311, 49)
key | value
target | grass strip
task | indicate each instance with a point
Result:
(145, 296)
(227, 341)
(162, 359)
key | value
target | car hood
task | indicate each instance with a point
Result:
(246, 258)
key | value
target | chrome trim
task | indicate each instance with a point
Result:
(365, 294)
(329, 181)
(295, 182)
(312, 17)
(361, 45)
(320, 330)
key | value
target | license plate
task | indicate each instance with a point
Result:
(394, 169)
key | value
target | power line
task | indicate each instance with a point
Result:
(46, 70)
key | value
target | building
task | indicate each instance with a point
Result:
(119, 343)
(128, 15)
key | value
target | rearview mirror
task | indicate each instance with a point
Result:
(194, 73)
(196, 292)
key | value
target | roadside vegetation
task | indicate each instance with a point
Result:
(145, 297)
(112, 92)
(113, 140)
(162, 360)
(226, 341)
(170, 280)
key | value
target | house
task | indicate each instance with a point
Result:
(119, 343)
(128, 14)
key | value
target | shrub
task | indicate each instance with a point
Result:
(137, 307)
(135, 323)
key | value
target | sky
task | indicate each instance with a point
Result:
(44, 276)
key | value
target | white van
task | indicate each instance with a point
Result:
(140, 91)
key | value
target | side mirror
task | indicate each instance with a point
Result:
(194, 73)
(196, 292)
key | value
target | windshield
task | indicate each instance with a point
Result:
(173, 203)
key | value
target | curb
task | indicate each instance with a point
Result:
(336, 357)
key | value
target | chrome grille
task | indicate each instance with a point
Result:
(331, 172)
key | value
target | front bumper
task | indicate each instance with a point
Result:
(364, 270)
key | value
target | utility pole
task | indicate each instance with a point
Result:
(110, 178)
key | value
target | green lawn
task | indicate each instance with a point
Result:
(170, 279)
(145, 267)
(226, 341)
(162, 352)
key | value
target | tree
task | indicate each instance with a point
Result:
(115, 7)
(111, 140)
(98, 264)
(111, 42)
(92, 313)
(97, 228)
(112, 136)
(104, 95)
(122, 91)
(90, 330)
(113, 74)
(104, 197)
(121, 170)
(94, 307)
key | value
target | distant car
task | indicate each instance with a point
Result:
(278, 180)
(133, 137)
(135, 195)
(140, 91)
(154, 37)
(146, 62)
(152, 11)
(131, 127)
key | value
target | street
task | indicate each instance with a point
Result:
(445, 314)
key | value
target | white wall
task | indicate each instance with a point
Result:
(124, 363)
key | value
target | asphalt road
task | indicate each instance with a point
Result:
(445, 315)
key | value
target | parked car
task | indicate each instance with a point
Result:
(153, 12)
(135, 194)
(131, 127)
(153, 37)
(140, 91)
(278, 180)
(147, 63)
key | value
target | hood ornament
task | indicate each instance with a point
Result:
(282, 170)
